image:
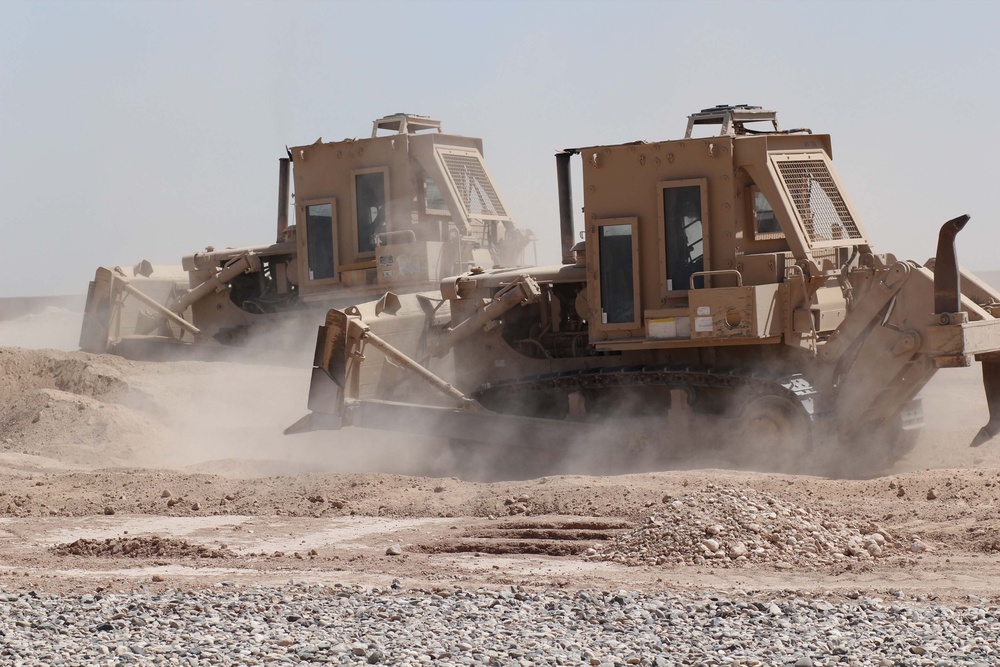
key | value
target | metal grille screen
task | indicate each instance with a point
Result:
(473, 185)
(820, 206)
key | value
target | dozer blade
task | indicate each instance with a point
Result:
(326, 400)
(329, 378)
(99, 312)
(991, 382)
(330, 356)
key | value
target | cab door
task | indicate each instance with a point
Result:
(683, 243)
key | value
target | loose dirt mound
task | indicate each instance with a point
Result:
(72, 407)
(738, 526)
(73, 372)
(139, 547)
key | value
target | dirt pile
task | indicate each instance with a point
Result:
(731, 526)
(72, 372)
(72, 408)
(139, 547)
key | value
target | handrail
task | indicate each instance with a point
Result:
(718, 272)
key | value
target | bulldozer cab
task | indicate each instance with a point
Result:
(407, 205)
(690, 241)
(398, 211)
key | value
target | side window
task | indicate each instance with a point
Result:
(369, 200)
(765, 222)
(684, 246)
(433, 199)
(319, 241)
(617, 250)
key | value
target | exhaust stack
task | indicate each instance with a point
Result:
(565, 204)
(283, 174)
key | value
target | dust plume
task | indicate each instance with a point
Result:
(954, 410)
(77, 410)
(48, 327)
(228, 418)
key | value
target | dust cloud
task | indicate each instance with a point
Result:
(228, 419)
(72, 409)
(62, 409)
(52, 328)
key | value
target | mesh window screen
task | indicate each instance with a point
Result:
(820, 206)
(474, 187)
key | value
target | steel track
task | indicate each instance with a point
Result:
(738, 388)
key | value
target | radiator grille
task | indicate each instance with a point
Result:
(820, 206)
(474, 187)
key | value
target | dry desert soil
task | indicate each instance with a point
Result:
(176, 475)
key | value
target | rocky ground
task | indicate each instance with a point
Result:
(154, 514)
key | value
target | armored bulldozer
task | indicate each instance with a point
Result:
(727, 275)
(399, 210)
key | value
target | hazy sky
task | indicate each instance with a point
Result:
(132, 130)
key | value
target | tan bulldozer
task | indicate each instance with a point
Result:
(398, 210)
(726, 275)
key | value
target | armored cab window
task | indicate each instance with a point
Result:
(683, 237)
(765, 222)
(370, 210)
(319, 241)
(617, 252)
(434, 202)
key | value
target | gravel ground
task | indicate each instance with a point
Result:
(350, 625)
